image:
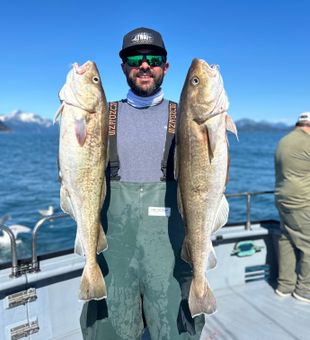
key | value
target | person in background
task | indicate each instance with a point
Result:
(292, 196)
(147, 282)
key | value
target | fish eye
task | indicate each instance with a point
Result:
(195, 81)
(95, 79)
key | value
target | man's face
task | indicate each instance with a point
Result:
(145, 80)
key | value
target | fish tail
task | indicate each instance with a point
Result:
(92, 286)
(201, 299)
(102, 244)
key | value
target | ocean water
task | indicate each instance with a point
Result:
(29, 182)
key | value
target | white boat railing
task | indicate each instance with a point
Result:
(18, 269)
(7, 230)
(34, 261)
(248, 195)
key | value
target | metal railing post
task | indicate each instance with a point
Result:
(248, 211)
(248, 203)
(35, 263)
(13, 249)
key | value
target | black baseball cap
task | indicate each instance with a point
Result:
(141, 39)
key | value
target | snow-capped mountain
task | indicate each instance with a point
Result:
(28, 122)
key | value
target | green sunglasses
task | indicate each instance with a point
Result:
(152, 60)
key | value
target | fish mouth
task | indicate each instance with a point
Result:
(81, 69)
(211, 69)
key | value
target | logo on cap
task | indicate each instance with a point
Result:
(142, 38)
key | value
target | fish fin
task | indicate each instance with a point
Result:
(80, 130)
(102, 244)
(92, 285)
(175, 159)
(228, 167)
(78, 245)
(212, 260)
(103, 190)
(185, 252)
(221, 216)
(179, 200)
(212, 140)
(231, 126)
(201, 301)
(59, 171)
(58, 113)
(107, 154)
(65, 202)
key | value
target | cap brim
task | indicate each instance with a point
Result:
(142, 49)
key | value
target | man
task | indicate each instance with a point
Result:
(292, 165)
(147, 281)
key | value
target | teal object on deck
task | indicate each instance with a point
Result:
(246, 248)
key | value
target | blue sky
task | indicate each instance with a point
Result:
(262, 48)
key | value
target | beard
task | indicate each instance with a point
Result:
(145, 91)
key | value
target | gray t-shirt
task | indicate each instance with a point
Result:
(141, 137)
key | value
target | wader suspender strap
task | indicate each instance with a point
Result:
(113, 154)
(167, 163)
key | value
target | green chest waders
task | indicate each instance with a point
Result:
(144, 273)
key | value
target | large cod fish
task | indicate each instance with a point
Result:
(202, 171)
(82, 161)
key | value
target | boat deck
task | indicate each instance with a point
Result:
(253, 311)
(248, 309)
